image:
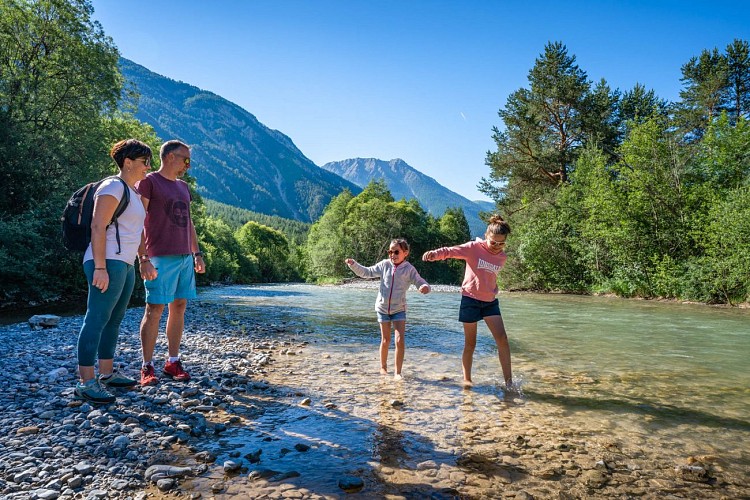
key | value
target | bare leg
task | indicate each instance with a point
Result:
(497, 327)
(150, 330)
(385, 342)
(106, 366)
(400, 328)
(86, 373)
(175, 326)
(470, 343)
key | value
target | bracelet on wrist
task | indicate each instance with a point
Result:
(197, 254)
(144, 258)
(100, 269)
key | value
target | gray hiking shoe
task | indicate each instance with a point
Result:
(93, 391)
(117, 380)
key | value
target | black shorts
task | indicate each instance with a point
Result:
(472, 310)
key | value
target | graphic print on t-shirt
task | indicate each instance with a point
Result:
(178, 212)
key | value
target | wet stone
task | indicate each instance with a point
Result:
(231, 466)
(165, 484)
(351, 484)
(594, 478)
(205, 457)
(693, 473)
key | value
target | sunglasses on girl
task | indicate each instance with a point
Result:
(394, 252)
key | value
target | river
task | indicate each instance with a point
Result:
(634, 387)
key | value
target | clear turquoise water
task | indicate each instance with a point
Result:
(690, 356)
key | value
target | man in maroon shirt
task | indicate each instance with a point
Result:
(169, 258)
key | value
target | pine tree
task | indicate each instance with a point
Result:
(546, 125)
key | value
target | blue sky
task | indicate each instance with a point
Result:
(412, 79)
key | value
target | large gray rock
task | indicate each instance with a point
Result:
(167, 471)
(44, 321)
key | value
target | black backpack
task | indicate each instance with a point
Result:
(76, 218)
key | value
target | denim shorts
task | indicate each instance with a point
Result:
(384, 318)
(175, 279)
(472, 310)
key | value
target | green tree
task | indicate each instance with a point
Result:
(546, 125)
(362, 226)
(722, 159)
(269, 246)
(638, 105)
(705, 80)
(58, 77)
(726, 265)
(738, 76)
(59, 87)
(226, 262)
(325, 243)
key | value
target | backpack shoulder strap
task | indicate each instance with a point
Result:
(123, 201)
(119, 210)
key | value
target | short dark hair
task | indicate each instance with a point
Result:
(170, 146)
(129, 148)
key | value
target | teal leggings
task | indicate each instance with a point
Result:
(104, 312)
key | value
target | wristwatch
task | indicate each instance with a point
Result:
(198, 254)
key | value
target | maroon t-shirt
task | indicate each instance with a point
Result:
(167, 227)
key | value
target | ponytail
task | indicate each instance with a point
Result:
(497, 225)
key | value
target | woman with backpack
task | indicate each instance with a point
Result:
(108, 266)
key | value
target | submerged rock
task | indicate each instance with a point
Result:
(694, 473)
(351, 484)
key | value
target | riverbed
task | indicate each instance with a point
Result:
(617, 398)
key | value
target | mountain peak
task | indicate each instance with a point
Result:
(404, 181)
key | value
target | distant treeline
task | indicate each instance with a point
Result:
(236, 217)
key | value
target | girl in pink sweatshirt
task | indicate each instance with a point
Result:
(484, 258)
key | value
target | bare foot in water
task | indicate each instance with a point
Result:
(468, 384)
(383, 371)
(397, 377)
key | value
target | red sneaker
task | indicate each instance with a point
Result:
(148, 377)
(174, 371)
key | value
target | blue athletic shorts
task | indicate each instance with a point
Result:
(175, 279)
(384, 318)
(472, 310)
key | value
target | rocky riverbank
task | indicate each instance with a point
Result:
(54, 446)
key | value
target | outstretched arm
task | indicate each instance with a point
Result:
(442, 253)
(362, 271)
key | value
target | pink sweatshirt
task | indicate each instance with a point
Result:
(480, 278)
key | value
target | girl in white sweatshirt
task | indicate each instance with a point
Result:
(396, 274)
